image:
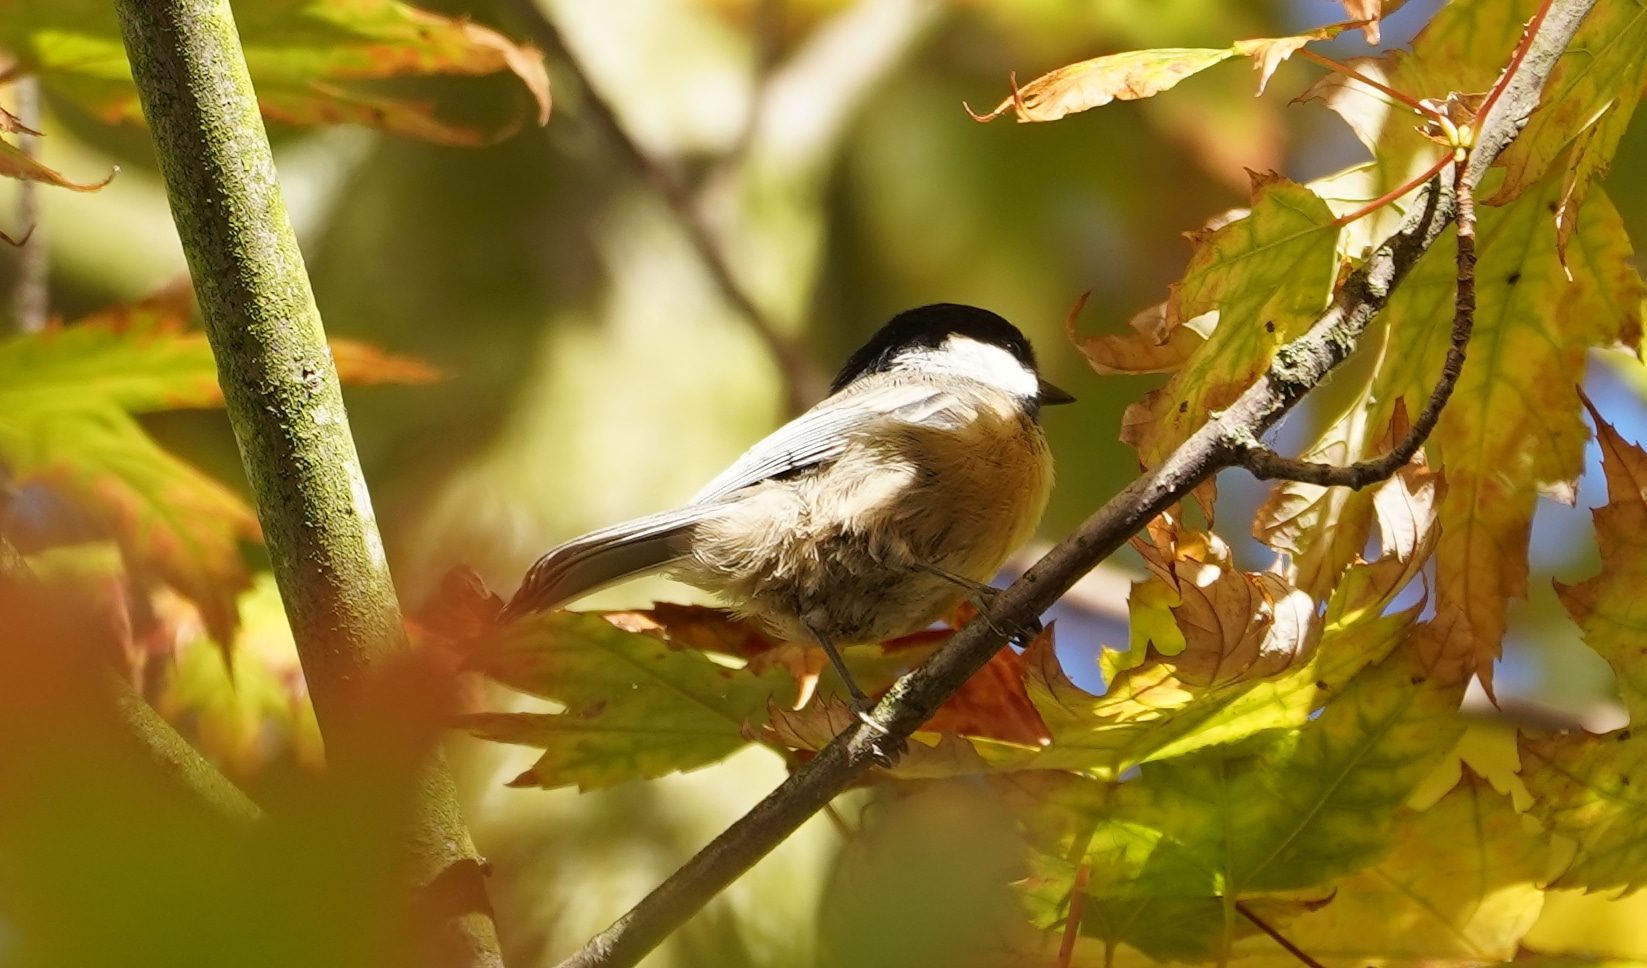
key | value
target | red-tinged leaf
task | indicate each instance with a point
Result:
(67, 395)
(994, 705)
(16, 163)
(311, 61)
(170, 520)
(460, 609)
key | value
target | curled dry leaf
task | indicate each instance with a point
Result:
(1243, 625)
(1156, 344)
(1269, 52)
(12, 124)
(1138, 74)
(1131, 76)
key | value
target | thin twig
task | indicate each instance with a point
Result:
(31, 294)
(1220, 443)
(1279, 938)
(804, 385)
(1269, 465)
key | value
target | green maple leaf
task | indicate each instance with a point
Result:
(1459, 885)
(1289, 811)
(67, 397)
(636, 704)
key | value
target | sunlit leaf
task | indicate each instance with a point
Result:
(1288, 813)
(1587, 103)
(1461, 884)
(1370, 11)
(254, 709)
(1324, 529)
(1268, 52)
(1513, 428)
(67, 396)
(1093, 83)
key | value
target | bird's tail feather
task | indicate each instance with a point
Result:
(603, 557)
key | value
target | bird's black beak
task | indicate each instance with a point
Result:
(1052, 396)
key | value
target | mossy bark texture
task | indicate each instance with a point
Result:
(283, 399)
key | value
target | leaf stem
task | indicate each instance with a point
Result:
(1394, 193)
(1072, 923)
(1356, 75)
(1279, 938)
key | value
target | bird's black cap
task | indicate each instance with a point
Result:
(926, 328)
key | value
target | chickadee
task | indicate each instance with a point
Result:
(870, 515)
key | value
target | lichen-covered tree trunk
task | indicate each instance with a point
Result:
(283, 399)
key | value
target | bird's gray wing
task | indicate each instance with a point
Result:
(821, 435)
(600, 558)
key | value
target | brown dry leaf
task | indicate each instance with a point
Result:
(1242, 626)
(12, 124)
(705, 629)
(1155, 345)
